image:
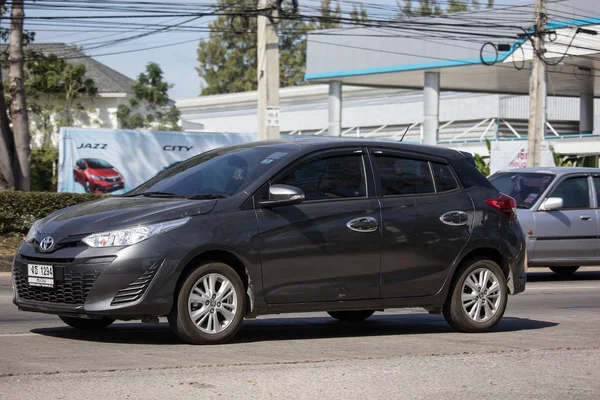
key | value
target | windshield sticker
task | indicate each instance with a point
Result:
(267, 161)
(277, 155)
(531, 198)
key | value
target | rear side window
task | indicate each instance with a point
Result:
(444, 178)
(597, 186)
(329, 178)
(402, 176)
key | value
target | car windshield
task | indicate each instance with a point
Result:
(222, 172)
(524, 187)
(95, 163)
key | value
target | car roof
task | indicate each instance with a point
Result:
(551, 170)
(313, 143)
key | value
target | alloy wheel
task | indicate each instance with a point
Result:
(481, 295)
(212, 303)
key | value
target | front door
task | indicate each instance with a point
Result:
(570, 233)
(426, 222)
(312, 252)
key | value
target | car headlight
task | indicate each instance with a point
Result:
(133, 235)
(32, 231)
(96, 177)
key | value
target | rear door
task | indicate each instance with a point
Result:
(426, 222)
(571, 233)
(313, 251)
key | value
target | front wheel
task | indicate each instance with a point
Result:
(210, 305)
(564, 270)
(351, 316)
(86, 324)
(478, 297)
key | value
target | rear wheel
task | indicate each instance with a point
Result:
(210, 305)
(478, 297)
(351, 316)
(86, 324)
(564, 270)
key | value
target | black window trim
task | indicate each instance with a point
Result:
(560, 180)
(386, 152)
(358, 151)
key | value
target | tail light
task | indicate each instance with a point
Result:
(506, 204)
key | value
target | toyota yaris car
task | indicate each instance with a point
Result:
(347, 227)
(97, 175)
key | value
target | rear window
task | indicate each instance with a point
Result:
(468, 174)
(524, 187)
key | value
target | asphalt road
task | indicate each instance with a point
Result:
(547, 347)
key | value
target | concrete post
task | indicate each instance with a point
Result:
(431, 107)
(586, 107)
(335, 109)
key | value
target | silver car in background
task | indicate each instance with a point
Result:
(558, 209)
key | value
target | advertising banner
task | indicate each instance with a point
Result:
(116, 161)
(513, 154)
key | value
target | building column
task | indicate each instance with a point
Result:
(431, 110)
(586, 107)
(335, 108)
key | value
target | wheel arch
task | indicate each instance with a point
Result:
(225, 257)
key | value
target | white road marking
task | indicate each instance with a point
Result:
(528, 288)
(18, 334)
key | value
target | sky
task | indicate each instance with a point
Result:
(178, 61)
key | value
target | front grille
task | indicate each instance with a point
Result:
(135, 290)
(72, 290)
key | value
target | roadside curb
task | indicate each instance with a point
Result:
(6, 262)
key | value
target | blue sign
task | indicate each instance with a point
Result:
(116, 161)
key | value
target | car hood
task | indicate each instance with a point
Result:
(103, 171)
(119, 212)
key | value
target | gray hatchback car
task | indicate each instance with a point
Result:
(559, 211)
(344, 226)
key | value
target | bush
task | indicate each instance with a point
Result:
(19, 210)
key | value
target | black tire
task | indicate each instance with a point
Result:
(180, 320)
(351, 316)
(87, 187)
(564, 270)
(454, 311)
(86, 324)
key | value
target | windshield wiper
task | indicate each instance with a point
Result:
(207, 196)
(160, 194)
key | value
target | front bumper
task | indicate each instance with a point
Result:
(124, 283)
(106, 187)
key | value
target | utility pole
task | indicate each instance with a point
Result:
(268, 72)
(537, 88)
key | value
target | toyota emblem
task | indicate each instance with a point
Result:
(47, 243)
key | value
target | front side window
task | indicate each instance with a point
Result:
(329, 178)
(224, 172)
(575, 192)
(524, 187)
(403, 176)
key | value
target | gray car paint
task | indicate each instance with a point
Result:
(561, 237)
(276, 267)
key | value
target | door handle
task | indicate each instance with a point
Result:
(585, 218)
(363, 224)
(455, 218)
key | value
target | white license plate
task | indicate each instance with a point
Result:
(40, 275)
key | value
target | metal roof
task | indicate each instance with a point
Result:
(551, 170)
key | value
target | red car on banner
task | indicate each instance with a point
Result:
(97, 175)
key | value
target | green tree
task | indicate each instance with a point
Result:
(330, 18)
(434, 7)
(227, 60)
(458, 5)
(359, 15)
(151, 92)
(53, 86)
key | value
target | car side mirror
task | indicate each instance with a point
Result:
(284, 195)
(552, 203)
